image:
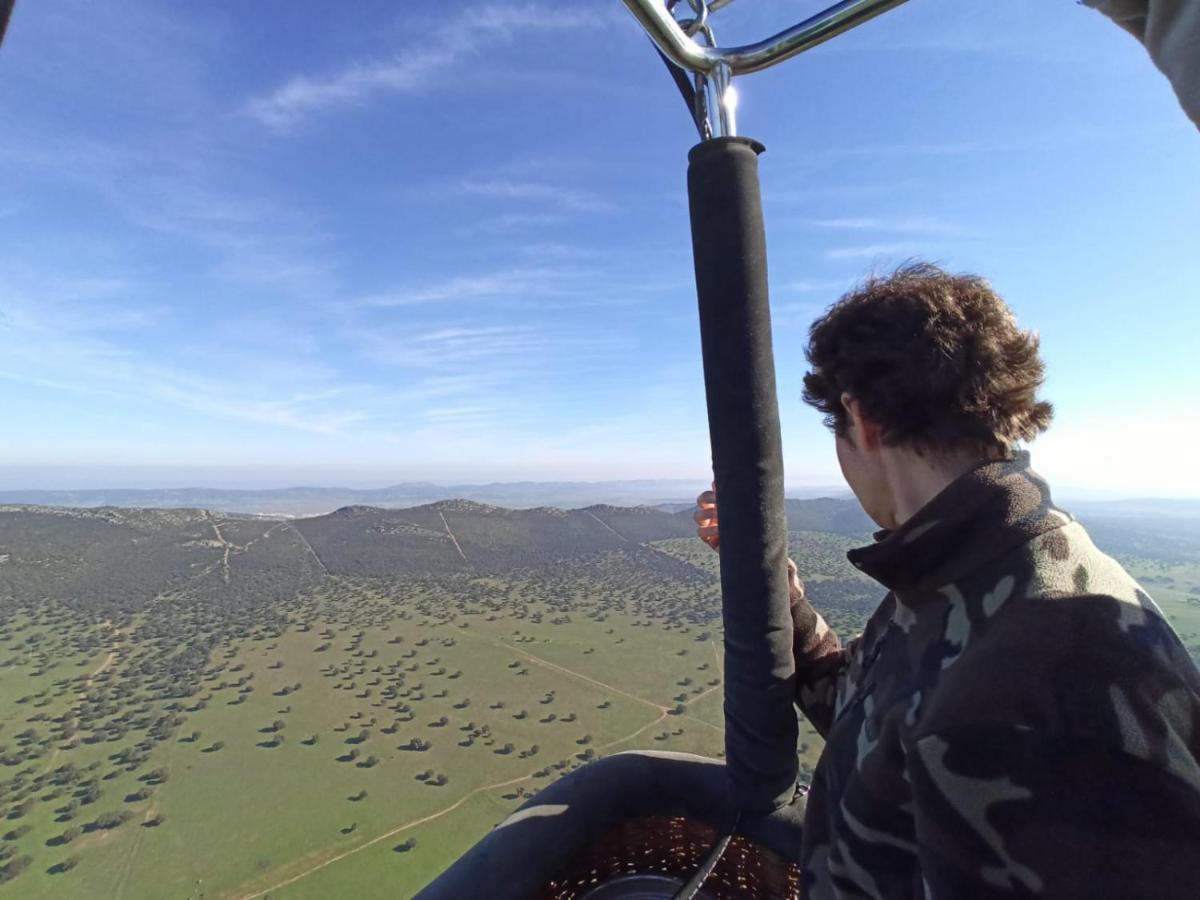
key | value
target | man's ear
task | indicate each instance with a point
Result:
(869, 437)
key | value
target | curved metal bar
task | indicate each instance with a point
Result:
(805, 35)
(671, 39)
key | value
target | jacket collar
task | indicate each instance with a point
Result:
(978, 517)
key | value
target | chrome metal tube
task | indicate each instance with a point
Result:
(725, 99)
(805, 35)
(670, 38)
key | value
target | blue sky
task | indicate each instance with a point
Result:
(265, 244)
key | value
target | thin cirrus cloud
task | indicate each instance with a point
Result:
(181, 186)
(412, 69)
(1067, 135)
(916, 225)
(456, 364)
(552, 195)
(524, 283)
(947, 148)
(873, 251)
(806, 286)
(448, 347)
(78, 341)
(87, 368)
(918, 235)
(506, 223)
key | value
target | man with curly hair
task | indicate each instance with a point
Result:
(1017, 718)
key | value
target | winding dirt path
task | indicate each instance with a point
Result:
(228, 548)
(87, 686)
(537, 660)
(663, 710)
(296, 531)
(457, 546)
(608, 527)
(108, 661)
(266, 534)
(225, 545)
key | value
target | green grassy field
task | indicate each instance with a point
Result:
(505, 704)
(370, 731)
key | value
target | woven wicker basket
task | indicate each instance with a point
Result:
(676, 846)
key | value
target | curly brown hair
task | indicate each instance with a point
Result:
(936, 360)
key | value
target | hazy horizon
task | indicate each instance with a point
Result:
(138, 480)
(54, 480)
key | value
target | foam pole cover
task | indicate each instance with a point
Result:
(729, 247)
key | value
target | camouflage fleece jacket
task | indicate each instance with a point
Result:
(1017, 719)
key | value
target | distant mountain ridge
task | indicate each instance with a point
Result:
(134, 555)
(128, 557)
(311, 501)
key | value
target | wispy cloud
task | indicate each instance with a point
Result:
(182, 185)
(791, 313)
(461, 363)
(472, 382)
(509, 222)
(78, 336)
(804, 286)
(89, 368)
(553, 195)
(922, 225)
(524, 282)
(90, 304)
(442, 413)
(931, 148)
(870, 251)
(1064, 136)
(922, 235)
(448, 347)
(417, 67)
(986, 36)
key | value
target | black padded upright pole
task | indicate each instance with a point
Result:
(729, 245)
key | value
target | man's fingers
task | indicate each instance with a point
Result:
(795, 584)
(705, 517)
